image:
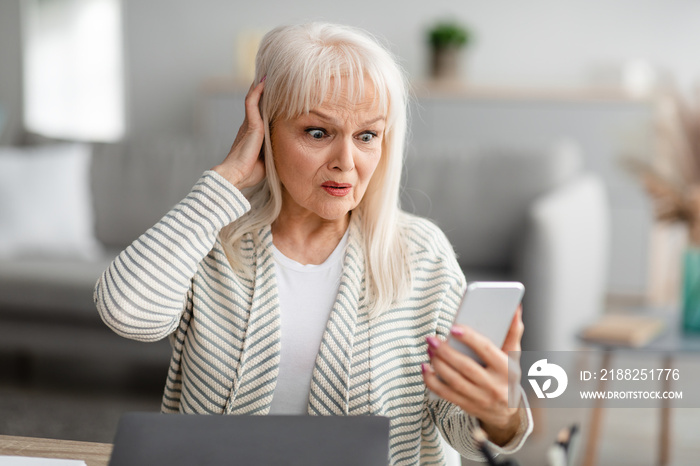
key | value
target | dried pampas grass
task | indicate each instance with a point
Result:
(672, 176)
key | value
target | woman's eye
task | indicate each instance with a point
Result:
(316, 133)
(367, 137)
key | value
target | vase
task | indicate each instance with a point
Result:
(445, 63)
(691, 289)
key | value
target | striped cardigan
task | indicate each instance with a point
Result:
(224, 325)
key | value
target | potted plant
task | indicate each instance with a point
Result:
(447, 39)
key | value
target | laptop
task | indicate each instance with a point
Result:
(154, 439)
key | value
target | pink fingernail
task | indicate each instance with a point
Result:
(430, 352)
(424, 368)
(263, 78)
(433, 342)
(457, 331)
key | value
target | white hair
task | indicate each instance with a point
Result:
(302, 64)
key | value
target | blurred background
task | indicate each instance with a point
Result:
(555, 143)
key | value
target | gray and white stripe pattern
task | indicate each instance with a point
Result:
(224, 325)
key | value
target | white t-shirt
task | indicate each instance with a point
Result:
(306, 296)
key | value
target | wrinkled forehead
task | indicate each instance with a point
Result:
(351, 97)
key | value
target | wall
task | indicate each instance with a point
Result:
(172, 45)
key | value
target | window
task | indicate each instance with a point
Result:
(73, 73)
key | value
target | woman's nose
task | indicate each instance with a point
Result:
(343, 155)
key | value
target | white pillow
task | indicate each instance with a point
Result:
(46, 202)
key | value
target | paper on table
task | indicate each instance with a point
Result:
(26, 461)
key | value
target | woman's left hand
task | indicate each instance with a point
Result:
(478, 390)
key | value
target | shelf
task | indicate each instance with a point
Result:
(427, 89)
(463, 90)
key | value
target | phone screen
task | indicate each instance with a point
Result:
(488, 308)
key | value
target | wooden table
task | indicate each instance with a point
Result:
(94, 454)
(672, 342)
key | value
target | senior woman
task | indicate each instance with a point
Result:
(289, 281)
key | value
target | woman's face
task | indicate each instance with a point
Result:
(325, 159)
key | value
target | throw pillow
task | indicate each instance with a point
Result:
(46, 202)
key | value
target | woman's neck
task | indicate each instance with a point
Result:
(308, 239)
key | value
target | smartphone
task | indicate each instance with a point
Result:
(488, 308)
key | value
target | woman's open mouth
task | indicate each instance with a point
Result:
(336, 189)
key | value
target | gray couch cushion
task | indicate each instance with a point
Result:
(480, 200)
(59, 287)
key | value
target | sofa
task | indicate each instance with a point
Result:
(46, 288)
(534, 216)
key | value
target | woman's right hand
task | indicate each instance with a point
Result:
(243, 166)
